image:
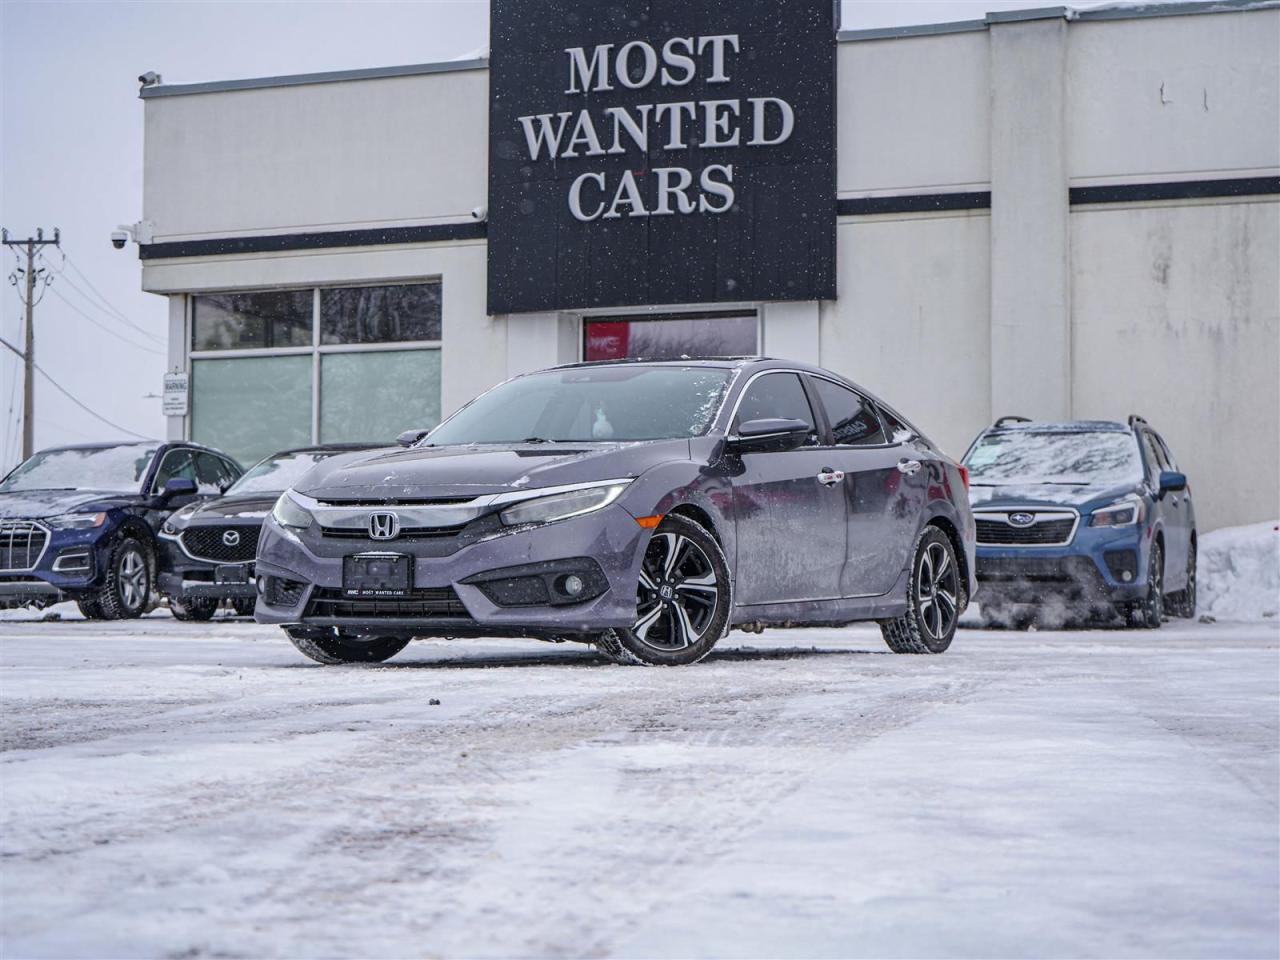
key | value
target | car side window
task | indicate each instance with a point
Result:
(777, 395)
(211, 474)
(1164, 450)
(853, 419)
(899, 431)
(1155, 456)
(176, 464)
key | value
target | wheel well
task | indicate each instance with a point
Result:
(949, 528)
(698, 516)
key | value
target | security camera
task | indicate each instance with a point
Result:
(150, 78)
(480, 213)
(119, 238)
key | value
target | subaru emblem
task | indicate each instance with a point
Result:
(383, 526)
(231, 538)
(1022, 519)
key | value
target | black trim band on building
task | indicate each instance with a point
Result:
(845, 207)
(913, 203)
(381, 236)
(1175, 190)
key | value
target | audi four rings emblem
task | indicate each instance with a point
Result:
(231, 538)
(1022, 519)
(383, 526)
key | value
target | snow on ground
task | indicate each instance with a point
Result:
(1238, 572)
(199, 790)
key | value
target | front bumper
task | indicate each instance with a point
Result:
(69, 565)
(1088, 571)
(445, 604)
(183, 576)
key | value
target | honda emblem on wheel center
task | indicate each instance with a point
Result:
(383, 526)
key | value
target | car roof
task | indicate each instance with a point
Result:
(722, 362)
(1061, 426)
(106, 445)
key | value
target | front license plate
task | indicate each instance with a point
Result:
(377, 575)
(231, 573)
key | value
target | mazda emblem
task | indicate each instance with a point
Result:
(1022, 519)
(231, 538)
(383, 526)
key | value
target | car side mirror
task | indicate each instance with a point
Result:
(1172, 481)
(178, 488)
(410, 437)
(771, 433)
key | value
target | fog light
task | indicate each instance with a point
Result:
(262, 586)
(1127, 576)
(573, 585)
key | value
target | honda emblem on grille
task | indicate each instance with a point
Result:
(231, 538)
(1022, 519)
(383, 526)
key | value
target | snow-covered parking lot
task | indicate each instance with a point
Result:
(200, 790)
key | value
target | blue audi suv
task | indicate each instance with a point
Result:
(1084, 518)
(79, 523)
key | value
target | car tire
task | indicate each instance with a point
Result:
(1183, 602)
(89, 609)
(194, 608)
(125, 593)
(332, 648)
(683, 599)
(243, 606)
(935, 598)
(1148, 613)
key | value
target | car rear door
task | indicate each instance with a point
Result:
(884, 492)
(1175, 510)
(788, 510)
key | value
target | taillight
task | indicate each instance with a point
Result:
(964, 475)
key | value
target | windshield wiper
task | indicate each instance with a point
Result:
(536, 440)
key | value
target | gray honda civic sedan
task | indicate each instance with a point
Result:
(643, 507)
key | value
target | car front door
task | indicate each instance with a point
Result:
(788, 509)
(1175, 511)
(884, 493)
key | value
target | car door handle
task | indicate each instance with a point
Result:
(828, 477)
(909, 467)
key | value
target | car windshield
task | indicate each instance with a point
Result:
(279, 472)
(586, 404)
(1077, 458)
(116, 469)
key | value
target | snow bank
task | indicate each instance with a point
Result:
(1238, 572)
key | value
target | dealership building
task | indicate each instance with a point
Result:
(1050, 213)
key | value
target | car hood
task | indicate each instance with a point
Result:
(474, 470)
(245, 507)
(1083, 497)
(34, 504)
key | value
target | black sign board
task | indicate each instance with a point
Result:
(660, 152)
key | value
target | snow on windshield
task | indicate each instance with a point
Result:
(117, 469)
(277, 473)
(1025, 456)
(586, 404)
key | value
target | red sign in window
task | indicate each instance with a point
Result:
(607, 340)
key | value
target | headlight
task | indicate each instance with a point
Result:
(77, 521)
(1123, 513)
(171, 525)
(289, 513)
(562, 506)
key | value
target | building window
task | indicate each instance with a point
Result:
(246, 321)
(288, 368)
(671, 336)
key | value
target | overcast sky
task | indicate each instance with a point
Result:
(71, 142)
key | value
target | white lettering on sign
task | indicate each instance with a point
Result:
(675, 125)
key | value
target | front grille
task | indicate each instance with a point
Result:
(399, 502)
(1041, 533)
(406, 533)
(426, 602)
(21, 544)
(207, 543)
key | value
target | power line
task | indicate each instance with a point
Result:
(103, 326)
(110, 309)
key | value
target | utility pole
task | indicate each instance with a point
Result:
(30, 275)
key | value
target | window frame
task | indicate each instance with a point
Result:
(830, 431)
(315, 350)
(818, 416)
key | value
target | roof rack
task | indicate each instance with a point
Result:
(1012, 419)
(1134, 420)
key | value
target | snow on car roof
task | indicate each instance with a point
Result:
(1062, 426)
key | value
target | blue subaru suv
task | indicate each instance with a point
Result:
(79, 523)
(1088, 517)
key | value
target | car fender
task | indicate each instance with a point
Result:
(685, 483)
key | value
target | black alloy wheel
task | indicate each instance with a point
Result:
(1148, 613)
(682, 599)
(935, 598)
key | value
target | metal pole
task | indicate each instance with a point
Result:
(29, 358)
